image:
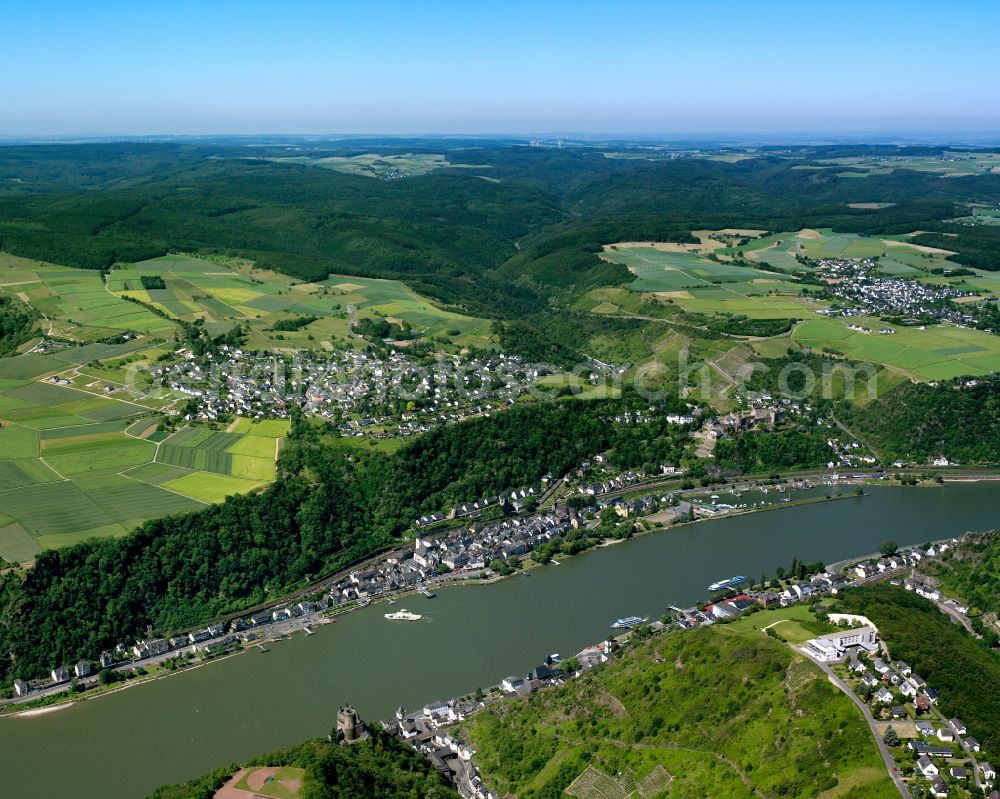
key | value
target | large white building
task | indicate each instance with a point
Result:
(834, 646)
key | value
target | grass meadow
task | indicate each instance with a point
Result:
(75, 301)
(700, 285)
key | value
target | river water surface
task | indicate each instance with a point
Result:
(124, 745)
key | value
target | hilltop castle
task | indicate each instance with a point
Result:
(350, 727)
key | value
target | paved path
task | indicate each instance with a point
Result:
(957, 617)
(890, 763)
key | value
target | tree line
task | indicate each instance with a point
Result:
(329, 507)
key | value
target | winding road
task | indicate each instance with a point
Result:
(890, 762)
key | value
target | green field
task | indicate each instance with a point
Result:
(249, 456)
(74, 464)
(208, 487)
(376, 165)
(75, 300)
(700, 285)
(896, 256)
(938, 352)
(222, 294)
(949, 164)
(697, 284)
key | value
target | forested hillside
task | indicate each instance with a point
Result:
(328, 508)
(502, 230)
(379, 767)
(773, 451)
(918, 422)
(971, 572)
(962, 670)
(17, 324)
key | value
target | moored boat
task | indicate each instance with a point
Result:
(732, 582)
(628, 622)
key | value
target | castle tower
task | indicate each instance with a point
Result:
(349, 725)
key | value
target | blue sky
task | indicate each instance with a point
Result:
(666, 67)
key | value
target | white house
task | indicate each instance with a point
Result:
(61, 674)
(926, 766)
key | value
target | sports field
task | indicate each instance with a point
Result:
(222, 294)
(77, 463)
(275, 782)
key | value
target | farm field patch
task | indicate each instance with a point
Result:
(375, 165)
(210, 488)
(938, 352)
(16, 546)
(73, 465)
(698, 284)
(235, 293)
(700, 280)
(75, 300)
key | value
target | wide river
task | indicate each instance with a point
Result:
(123, 745)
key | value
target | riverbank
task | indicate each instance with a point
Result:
(247, 705)
(528, 566)
(107, 690)
(38, 711)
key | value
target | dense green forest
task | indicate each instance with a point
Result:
(17, 324)
(506, 232)
(977, 246)
(963, 671)
(379, 329)
(328, 508)
(659, 704)
(918, 422)
(379, 766)
(773, 451)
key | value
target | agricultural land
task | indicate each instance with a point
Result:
(769, 277)
(233, 292)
